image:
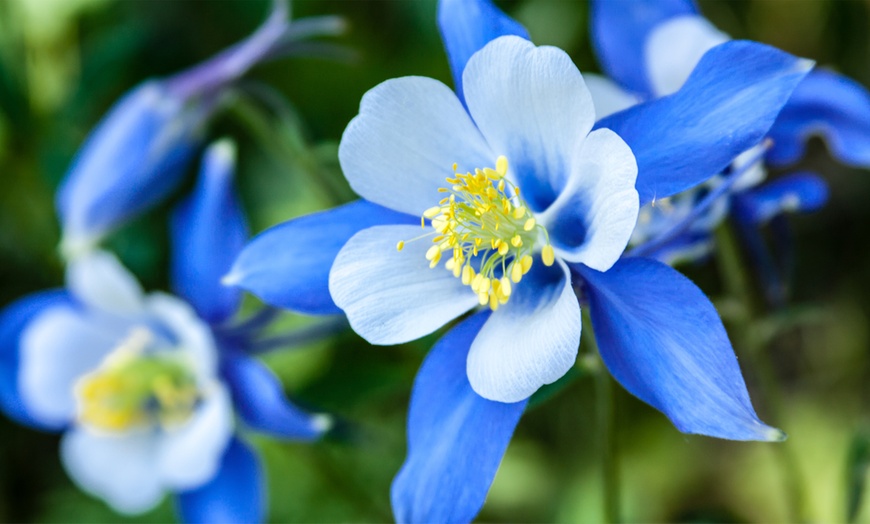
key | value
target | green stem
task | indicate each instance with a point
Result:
(606, 415)
(754, 351)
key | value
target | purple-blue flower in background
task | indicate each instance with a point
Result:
(146, 388)
(523, 203)
(648, 48)
(138, 153)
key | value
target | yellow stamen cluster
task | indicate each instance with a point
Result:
(134, 389)
(482, 222)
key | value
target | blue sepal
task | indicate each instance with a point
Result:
(260, 402)
(236, 494)
(796, 192)
(288, 265)
(620, 29)
(13, 321)
(468, 25)
(456, 438)
(131, 160)
(208, 232)
(662, 339)
(725, 107)
(826, 104)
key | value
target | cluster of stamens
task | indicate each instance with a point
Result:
(134, 389)
(483, 223)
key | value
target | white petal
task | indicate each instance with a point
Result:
(57, 348)
(120, 469)
(532, 106)
(530, 341)
(607, 96)
(593, 218)
(99, 280)
(193, 336)
(674, 48)
(401, 147)
(393, 296)
(190, 455)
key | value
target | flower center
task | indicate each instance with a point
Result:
(487, 230)
(135, 389)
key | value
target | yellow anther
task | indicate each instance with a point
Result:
(467, 275)
(526, 262)
(516, 272)
(400, 246)
(485, 231)
(548, 256)
(134, 389)
(501, 165)
(455, 165)
(505, 287)
(475, 282)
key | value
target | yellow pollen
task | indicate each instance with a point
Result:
(526, 262)
(400, 246)
(548, 256)
(132, 388)
(487, 230)
(516, 272)
(505, 286)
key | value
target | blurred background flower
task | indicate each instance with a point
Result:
(64, 64)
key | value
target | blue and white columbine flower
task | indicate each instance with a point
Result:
(650, 48)
(146, 387)
(138, 153)
(523, 204)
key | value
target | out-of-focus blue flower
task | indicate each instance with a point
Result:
(139, 151)
(650, 48)
(145, 387)
(527, 203)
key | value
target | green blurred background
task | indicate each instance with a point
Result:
(64, 62)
